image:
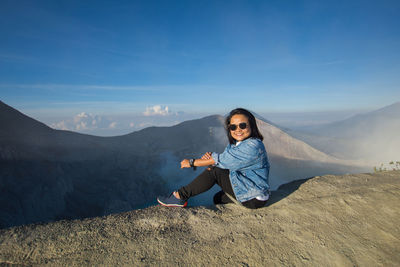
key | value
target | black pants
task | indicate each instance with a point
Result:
(207, 179)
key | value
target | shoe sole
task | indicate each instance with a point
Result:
(172, 205)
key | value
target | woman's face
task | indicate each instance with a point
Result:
(239, 121)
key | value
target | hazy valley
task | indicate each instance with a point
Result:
(49, 174)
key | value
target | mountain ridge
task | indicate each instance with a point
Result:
(163, 136)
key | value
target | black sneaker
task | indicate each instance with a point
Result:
(171, 201)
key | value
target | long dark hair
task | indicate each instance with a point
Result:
(252, 121)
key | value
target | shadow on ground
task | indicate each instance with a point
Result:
(285, 190)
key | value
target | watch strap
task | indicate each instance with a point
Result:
(191, 163)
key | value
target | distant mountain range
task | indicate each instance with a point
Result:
(372, 136)
(48, 174)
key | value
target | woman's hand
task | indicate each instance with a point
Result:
(185, 164)
(205, 160)
(207, 155)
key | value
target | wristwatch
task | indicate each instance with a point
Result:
(191, 163)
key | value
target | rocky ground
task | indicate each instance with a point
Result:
(349, 220)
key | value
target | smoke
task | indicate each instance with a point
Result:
(370, 138)
(170, 170)
(219, 137)
(381, 145)
(373, 139)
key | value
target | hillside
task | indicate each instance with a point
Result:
(349, 220)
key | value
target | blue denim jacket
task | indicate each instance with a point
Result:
(248, 168)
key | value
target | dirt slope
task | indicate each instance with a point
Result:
(350, 220)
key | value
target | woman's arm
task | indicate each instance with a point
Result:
(205, 160)
(241, 156)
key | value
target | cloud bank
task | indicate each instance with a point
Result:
(84, 122)
(112, 125)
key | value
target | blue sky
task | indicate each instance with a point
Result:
(67, 57)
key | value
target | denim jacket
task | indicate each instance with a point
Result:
(248, 168)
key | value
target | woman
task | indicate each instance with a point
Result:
(241, 170)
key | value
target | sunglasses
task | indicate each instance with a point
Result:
(233, 127)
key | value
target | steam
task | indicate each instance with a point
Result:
(370, 138)
(381, 145)
(218, 135)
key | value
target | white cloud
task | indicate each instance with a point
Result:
(85, 122)
(157, 110)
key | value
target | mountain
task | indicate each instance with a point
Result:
(19, 126)
(48, 174)
(371, 136)
(279, 143)
(362, 124)
(22, 137)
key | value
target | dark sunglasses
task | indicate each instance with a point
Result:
(233, 127)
